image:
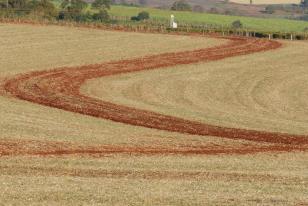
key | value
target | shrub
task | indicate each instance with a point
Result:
(141, 16)
(134, 18)
(237, 24)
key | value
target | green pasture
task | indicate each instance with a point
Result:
(257, 24)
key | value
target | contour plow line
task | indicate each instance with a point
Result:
(60, 88)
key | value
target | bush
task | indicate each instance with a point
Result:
(237, 24)
(141, 16)
(181, 5)
(134, 18)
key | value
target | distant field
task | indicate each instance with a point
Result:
(260, 24)
(267, 1)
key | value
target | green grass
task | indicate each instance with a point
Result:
(257, 24)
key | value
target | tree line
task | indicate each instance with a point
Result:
(77, 10)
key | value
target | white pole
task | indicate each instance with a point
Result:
(171, 20)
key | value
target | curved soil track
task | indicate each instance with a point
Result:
(60, 88)
(52, 148)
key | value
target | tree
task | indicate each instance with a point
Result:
(74, 5)
(141, 16)
(101, 4)
(73, 9)
(43, 7)
(181, 5)
(101, 16)
(237, 24)
(18, 4)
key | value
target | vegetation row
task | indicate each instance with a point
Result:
(101, 11)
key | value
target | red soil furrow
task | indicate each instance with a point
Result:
(60, 88)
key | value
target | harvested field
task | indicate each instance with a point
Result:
(158, 136)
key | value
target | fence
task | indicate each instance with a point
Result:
(157, 25)
(163, 26)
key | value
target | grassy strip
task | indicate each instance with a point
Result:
(251, 23)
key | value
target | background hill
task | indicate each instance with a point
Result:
(229, 7)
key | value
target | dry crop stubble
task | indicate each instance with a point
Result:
(146, 180)
(276, 178)
(45, 47)
(262, 91)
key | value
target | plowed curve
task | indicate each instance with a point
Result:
(60, 88)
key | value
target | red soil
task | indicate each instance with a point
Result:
(60, 88)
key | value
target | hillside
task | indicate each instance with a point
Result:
(258, 24)
(220, 6)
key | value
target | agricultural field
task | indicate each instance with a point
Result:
(253, 23)
(267, 1)
(97, 117)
